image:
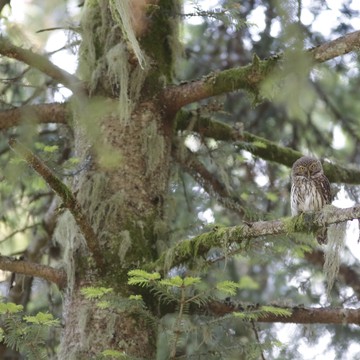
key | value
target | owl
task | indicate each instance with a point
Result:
(310, 189)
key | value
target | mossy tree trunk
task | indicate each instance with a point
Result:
(123, 134)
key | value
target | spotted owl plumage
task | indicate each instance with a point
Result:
(310, 189)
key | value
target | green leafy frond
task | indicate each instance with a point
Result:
(10, 308)
(142, 277)
(247, 316)
(41, 318)
(103, 304)
(178, 281)
(263, 311)
(227, 287)
(95, 292)
(275, 311)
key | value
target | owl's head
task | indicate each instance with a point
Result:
(307, 167)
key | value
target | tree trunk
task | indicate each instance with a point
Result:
(120, 136)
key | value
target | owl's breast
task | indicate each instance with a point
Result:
(305, 196)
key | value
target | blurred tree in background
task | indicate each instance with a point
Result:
(143, 178)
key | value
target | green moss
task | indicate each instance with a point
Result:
(290, 224)
(161, 43)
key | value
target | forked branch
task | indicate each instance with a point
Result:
(259, 146)
(41, 63)
(250, 77)
(69, 201)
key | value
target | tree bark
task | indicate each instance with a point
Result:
(119, 130)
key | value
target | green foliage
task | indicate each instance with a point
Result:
(227, 287)
(262, 311)
(142, 278)
(41, 318)
(24, 333)
(95, 292)
(188, 291)
(10, 308)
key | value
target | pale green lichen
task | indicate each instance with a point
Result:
(67, 234)
(153, 147)
(122, 14)
(125, 244)
(332, 252)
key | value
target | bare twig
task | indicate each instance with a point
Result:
(57, 276)
(41, 63)
(17, 231)
(69, 201)
(256, 333)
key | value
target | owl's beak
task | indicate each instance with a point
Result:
(308, 174)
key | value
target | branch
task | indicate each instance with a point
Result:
(69, 201)
(41, 63)
(300, 315)
(259, 146)
(57, 276)
(249, 77)
(340, 46)
(44, 113)
(348, 274)
(187, 250)
(208, 181)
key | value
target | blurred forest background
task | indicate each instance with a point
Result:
(316, 113)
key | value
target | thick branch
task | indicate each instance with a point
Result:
(249, 77)
(41, 63)
(259, 146)
(299, 315)
(43, 113)
(340, 46)
(57, 276)
(189, 249)
(69, 201)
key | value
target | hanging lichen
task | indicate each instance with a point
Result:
(122, 12)
(335, 244)
(66, 234)
(153, 147)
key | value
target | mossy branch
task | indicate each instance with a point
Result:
(220, 237)
(41, 63)
(258, 146)
(299, 315)
(41, 113)
(69, 201)
(249, 77)
(57, 276)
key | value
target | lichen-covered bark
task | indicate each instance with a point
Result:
(124, 142)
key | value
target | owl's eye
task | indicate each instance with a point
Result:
(301, 169)
(314, 167)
